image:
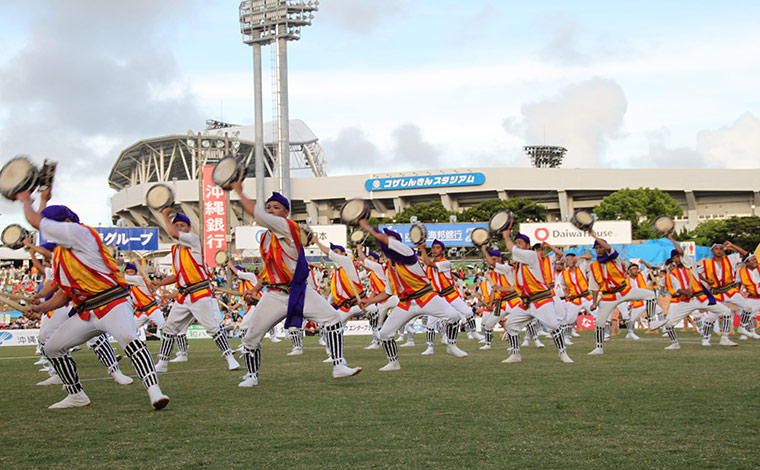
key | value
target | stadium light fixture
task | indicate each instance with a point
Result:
(545, 156)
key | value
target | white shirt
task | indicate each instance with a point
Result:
(404, 250)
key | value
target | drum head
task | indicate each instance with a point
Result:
(227, 171)
(500, 221)
(480, 236)
(159, 196)
(663, 225)
(17, 175)
(584, 217)
(417, 234)
(353, 211)
(221, 257)
(13, 236)
(306, 233)
(357, 236)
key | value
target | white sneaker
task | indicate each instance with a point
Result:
(157, 399)
(525, 343)
(542, 333)
(632, 335)
(673, 347)
(538, 344)
(743, 338)
(565, 358)
(512, 358)
(249, 380)
(726, 341)
(454, 350)
(232, 364)
(329, 359)
(180, 358)
(295, 352)
(322, 342)
(342, 371)
(408, 344)
(391, 366)
(40, 361)
(596, 352)
(475, 335)
(607, 337)
(485, 346)
(45, 369)
(428, 352)
(120, 378)
(275, 339)
(162, 366)
(52, 380)
(574, 334)
(373, 346)
(664, 335)
(76, 400)
(568, 342)
(240, 349)
(706, 342)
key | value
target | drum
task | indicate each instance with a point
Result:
(228, 170)
(159, 196)
(13, 236)
(47, 173)
(306, 234)
(354, 210)
(19, 174)
(583, 220)
(663, 225)
(500, 221)
(480, 236)
(417, 234)
(357, 236)
(221, 257)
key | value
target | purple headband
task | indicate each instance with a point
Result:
(49, 246)
(523, 237)
(129, 266)
(337, 247)
(372, 254)
(59, 213)
(440, 243)
(597, 243)
(239, 268)
(180, 217)
(277, 197)
(496, 253)
(394, 255)
(393, 234)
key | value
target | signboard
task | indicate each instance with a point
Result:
(564, 233)
(247, 237)
(689, 248)
(130, 239)
(431, 181)
(214, 217)
(449, 234)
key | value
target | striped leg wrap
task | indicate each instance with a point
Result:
(488, 333)
(252, 359)
(672, 334)
(374, 318)
(430, 336)
(391, 350)
(138, 353)
(471, 325)
(707, 330)
(630, 325)
(725, 323)
(559, 340)
(599, 336)
(746, 320)
(410, 332)
(608, 328)
(220, 338)
(530, 330)
(452, 331)
(182, 343)
(66, 369)
(167, 345)
(514, 343)
(242, 333)
(296, 337)
(335, 343)
(651, 306)
(105, 353)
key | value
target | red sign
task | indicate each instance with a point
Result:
(586, 322)
(214, 217)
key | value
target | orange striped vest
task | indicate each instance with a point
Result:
(188, 272)
(275, 270)
(614, 279)
(349, 287)
(404, 283)
(576, 287)
(141, 299)
(527, 284)
(440, 281)
(682, 278)
(641, 283)
(753, 290)
(725, 279)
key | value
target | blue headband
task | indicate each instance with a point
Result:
(50, 246)
(674, 253)
(129, 266)
(372, 254)
(496, 253)
(59, 213)
(277, 197)
(525, 238)
(337, 247)
(440, 243)
(180, 217)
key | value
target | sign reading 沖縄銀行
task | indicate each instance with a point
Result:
(130, 239)
(430, 181)
(565, 234)
(449, 234)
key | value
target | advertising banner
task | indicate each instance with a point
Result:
(214, 217)
(417, 182)
(130, 239)
(449, 234)
(565, 234)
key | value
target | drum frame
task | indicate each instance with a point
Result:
(422, 229)
(237, 175)
(351, 237)
(510, 220)
(661, 233)
(166, 204)
(30, 181)
(20, 242)
(580, 226)
(363, 215)
(226, 255)
(488, 239)
(307, 232)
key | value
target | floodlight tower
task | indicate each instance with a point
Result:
(265, 22)
(545, 156)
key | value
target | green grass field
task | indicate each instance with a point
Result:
(635, 407)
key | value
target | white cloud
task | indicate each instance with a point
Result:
(735, 146)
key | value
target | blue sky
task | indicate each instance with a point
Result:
(388, 85)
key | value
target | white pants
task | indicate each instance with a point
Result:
(572, 310)
(464, 310)
(607, 307)
(519, 317)
(633, 314)
(205, 310)
(119, 322)
(56, 319)
(353, 311)
(754, 305)
(680, 310)
(273, 307)
(384, 307)
(738, 301)
(437, 307)
(156, 317)
(490, 319)
(559, 308)
(248, 318)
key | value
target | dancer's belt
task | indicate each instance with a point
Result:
(352, 301)
(617, 289)
(147, 307)
(255, 301)
(510, 296)
(416, 295)
(446, 291)
(695, 294)
(585, 293)
(283, 287)
(194, 287)
(102, 298)
(724, 289)
(537, 297)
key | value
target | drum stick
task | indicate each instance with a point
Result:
(19, 297)
(21, 308)
(228, 291)
(142, 273)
